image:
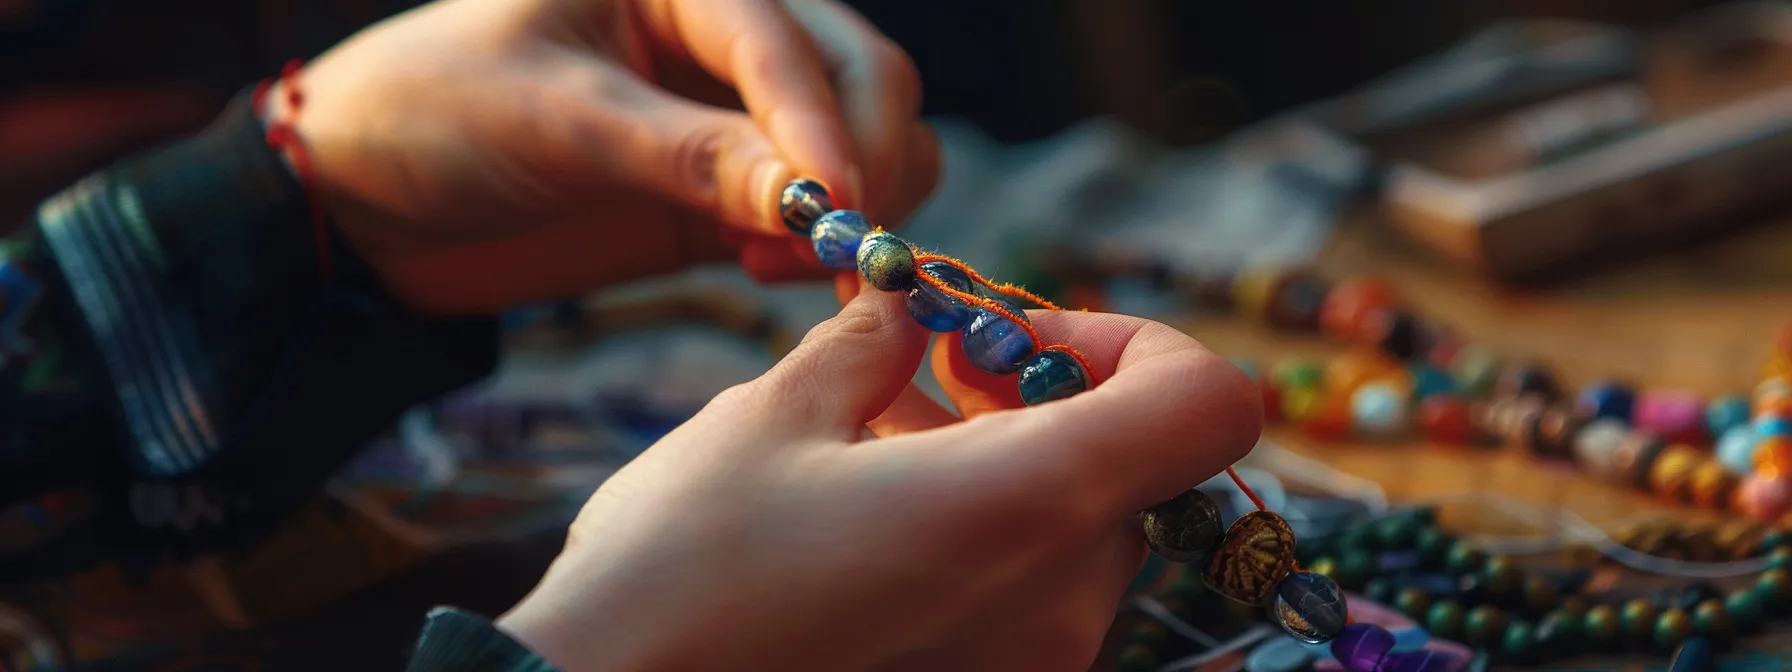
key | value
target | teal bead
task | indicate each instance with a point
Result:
(1558, 632)
(1736, 449)
(1433, 546)
(1726, 412)
(1359, 537)
(1051, 375)
(1397, 532)
(1519, 643)
(1464, 557)
(1356, 567)
(886, 262)
(1429, 381)
(1379, 590)
(1746, 610)
(1445, 618)
(836, 238)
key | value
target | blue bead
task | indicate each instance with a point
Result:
(1310, 607)
(1429, 381)
(1607, 400)
(1773, 426)
(996, 344)
(803, 202)
(931, 308)
(837, 236)
(1730, 410)
(1051, 375)
(1736, 449)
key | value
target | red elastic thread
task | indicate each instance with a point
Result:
(282, 136)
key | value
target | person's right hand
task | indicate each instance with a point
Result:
(768, 533)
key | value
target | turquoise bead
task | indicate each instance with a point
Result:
(935, 310)
(1773, 426)
(995, 344)
(1378, 409)
(803, 202)
(1051, 375)
(1726, 412)
(837, 236)
(886, 262)
(1736, 449)
(1430, 381)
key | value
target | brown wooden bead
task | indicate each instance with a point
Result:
(1712, 486)
(1258, 552)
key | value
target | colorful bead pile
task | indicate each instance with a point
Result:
(1402, 375)
(1508, 612)
(1251, 562)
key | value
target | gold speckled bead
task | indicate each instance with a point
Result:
(1712, 486)
(1670, 476)
(1253, 289)
(1258, 552)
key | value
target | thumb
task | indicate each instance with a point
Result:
(844, 373)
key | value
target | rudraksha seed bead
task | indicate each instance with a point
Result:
(1186, 528)
(803, 202)
(1256, 554)
(886, 262)
(837, 236)
(932, 308)
(1051, 375)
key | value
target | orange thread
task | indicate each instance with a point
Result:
(1248, 492)
(1003, 288)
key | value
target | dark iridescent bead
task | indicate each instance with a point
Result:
(1606, 400)
(932, 308)
(1672, 628)
(1187, 528)
(1638, 619)
(1362, 646)
(1540, 595)
(1504, 579)
(1745, 610)
(1558, 632)
(803, 202)
(1379, 590)
(1295, 304)
(1519, 643)
(1398, 531)
(1712, 621)
(995, 344)
(1528, 379)
(1484, 625)
(1433, 546)
(1444, 619)
(1413, 601)
(1602, 628)
(886, 262)
(1775, 586)
(1464, 557)
(837, 236)
(1310, 607)
(1137, 658)
(1356, 567)
(1398, 334)
(1051, 375)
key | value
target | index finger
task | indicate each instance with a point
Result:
(758, 48)
(1165, 415)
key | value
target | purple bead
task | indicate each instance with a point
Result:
(1421, 661)
(1362, 646)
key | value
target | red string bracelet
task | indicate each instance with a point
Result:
(282, 136)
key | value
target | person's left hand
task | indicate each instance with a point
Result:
(485, 153)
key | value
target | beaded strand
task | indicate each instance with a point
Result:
(1251, 562)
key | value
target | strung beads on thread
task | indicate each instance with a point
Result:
(837, 236)
(944, 295)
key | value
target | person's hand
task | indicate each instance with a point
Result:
(768, 533)
(483, 153)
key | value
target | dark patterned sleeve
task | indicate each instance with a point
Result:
(171, 351)
(458, 641)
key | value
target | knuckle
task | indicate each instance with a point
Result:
(695, 155)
